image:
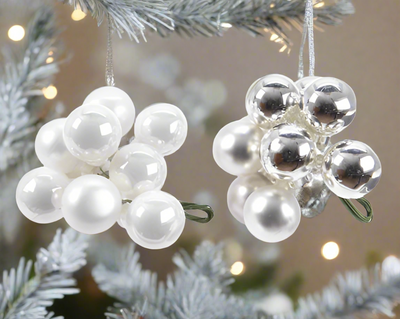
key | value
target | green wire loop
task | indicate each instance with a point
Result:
(355, 212)
(205, 208)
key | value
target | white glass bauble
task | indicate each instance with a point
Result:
(162, 126)
(287, 152)
(155, 220)
(275, 304)
(91, 204)
(236, 147)
(305, 82)
(269, 98)
(39, 194)
(351, 169)
(137, 168)
(272, 214)
(240, 190)
(83, 169)
(329, 105)
(122, 216)
(117, 101)
(51, 150)
(92, 133)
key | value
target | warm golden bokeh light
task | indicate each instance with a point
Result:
(50, 92)
(330, 250)
(16, 33)
(237, 268)
(78, 14)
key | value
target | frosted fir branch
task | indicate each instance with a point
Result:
(209, 18)
(23, 297)
(198, 289)
(22, 78)
(355, 294)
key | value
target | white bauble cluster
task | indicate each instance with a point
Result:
(79, 153)
(282, 155)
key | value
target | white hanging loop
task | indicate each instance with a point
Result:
(308, 29)
(110, 81)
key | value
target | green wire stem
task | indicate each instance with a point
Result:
(205, 208)
(356, 213)
(191, 206)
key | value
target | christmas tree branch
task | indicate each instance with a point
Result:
(21, 82)
(24, 297)
(209, 17)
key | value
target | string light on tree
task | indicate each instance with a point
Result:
(237, 268)
(50, 92)
(330, 250)
(16, 33)
(78, 14)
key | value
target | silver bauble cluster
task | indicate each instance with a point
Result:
(282, 155)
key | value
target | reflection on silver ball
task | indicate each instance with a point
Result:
(268, 98)
(312, 196)
(287, 152)
(240, 189)
(329, 105)
(351, 169)
(303, 83)
(236, 147)
(272, 214)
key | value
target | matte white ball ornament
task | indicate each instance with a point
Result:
(92, 133)
(91, 204)
(163, 126)
(39, 195)
(155, 220)
(137, 168)
(51, 150)
(117, 101)
(272, 214)
(236, 147)
(240, 189)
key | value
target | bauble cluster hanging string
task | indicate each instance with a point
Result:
(91, 183)
(282, 154)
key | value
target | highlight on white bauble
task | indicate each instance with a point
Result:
(163, 126)
(91, 204)
(240, 189)
(92, 133)
(155, 220)
(137, 168)
(51, 150)
(117, 101)
(236, 147)
(39, 194)
(272, 214)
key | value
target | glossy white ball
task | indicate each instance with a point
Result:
(236, 147)
(155, 220)
(39, 195)
(351, 169)
(163, 126)
(51, 150)
(91, 204)
(240, 189)
(137, 168)
(117, 101)
(272, 214)
(92, 133)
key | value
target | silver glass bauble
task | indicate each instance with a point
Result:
(329, 105)
(272, 214)
(236, 147)
(269, 97)
(304, 82)
(240, 189)
(287, 152)
(312, 195)
(351, 169)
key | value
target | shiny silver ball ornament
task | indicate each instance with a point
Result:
(287, 152)
(351, 169)
(236, 147)
(272, 214)
(304, 82)
(312, 195)
(240, 189)
(269, 98)
(329, 105)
